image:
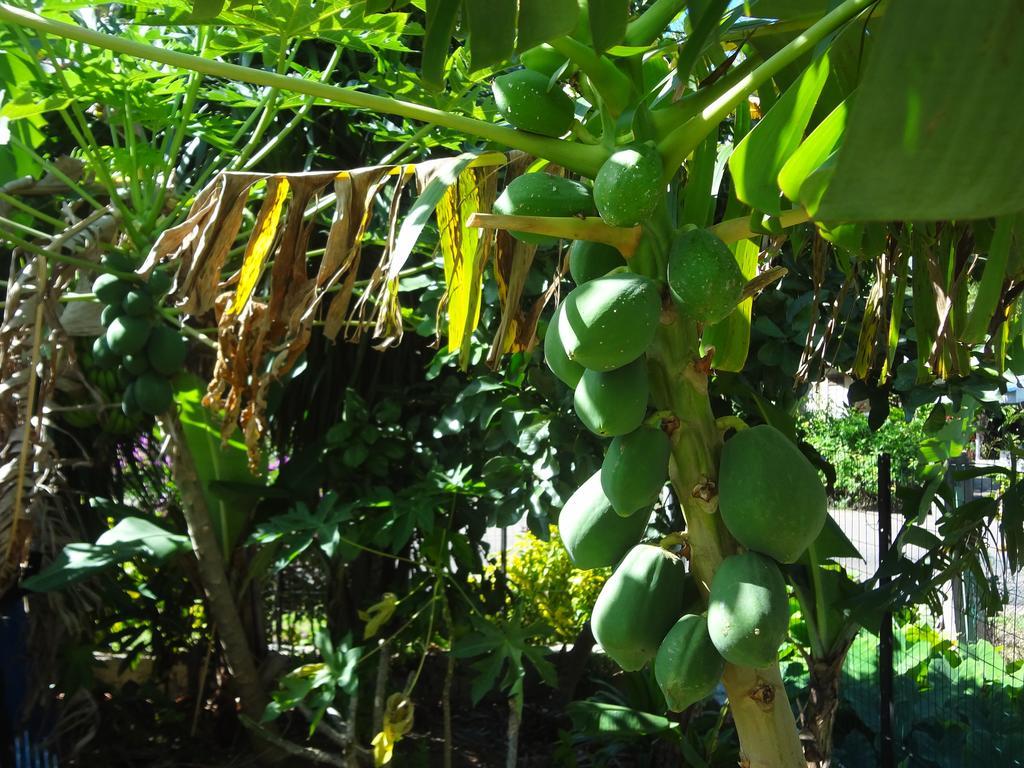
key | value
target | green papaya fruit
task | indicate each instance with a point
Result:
(593, 535)
(129, 403)
(614, 402)
(748, 610)
(639, 603)
(525, 99)
(546, 60)
(166, 350)
(153, 393)
(628, 186)
(566, 370)
(108, 313)
(136, 364)
(769, 495)
(588, 261)
(102, 356)
(688, 666)
(159, 283)
(137, 302)
(122, 262)
(703, 277)
(610, 321)
(635, 469)
(110, 289)
(542, 194)
(127, 335)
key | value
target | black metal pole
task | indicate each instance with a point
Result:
(885, 669)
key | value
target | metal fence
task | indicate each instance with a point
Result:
(951, 696)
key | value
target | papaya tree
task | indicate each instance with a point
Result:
(841, 115)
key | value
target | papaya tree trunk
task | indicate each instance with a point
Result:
(822, 703)
(679, 383)
(220, 600)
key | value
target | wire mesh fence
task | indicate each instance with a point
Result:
(956, 674)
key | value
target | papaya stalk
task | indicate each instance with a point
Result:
(612, 84)
(679, 383)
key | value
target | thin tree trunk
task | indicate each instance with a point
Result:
(822, 703)
(679, 383)
(219, 598)
(515, 719)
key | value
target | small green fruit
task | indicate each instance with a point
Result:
(588, 261)
(127, 335)
(525, 100)
(628, 186)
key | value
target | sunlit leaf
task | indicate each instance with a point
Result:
(927, 137)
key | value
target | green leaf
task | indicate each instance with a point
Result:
(227, 464)
(990, 289)
(814, 151)
(929, 135)
(607, 22)
(615, 721)
(698, 201)
(757, 161)
(441, 15)
(492, 31)
(204, 10)
(132, 536)
(833, 542)
(544, 20)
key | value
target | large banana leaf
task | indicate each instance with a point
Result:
(933, 132)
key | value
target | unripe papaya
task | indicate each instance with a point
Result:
(137, 302)
(639, 603)
(153, 393)
(525, 100)
(628, 186)
(688, 666)
(127, 335)
(159, 283)
(610, 321)
(546, 60)
(102, 356)
(748, 610)
(166, 350)
(635, 469)
(542, 194)
(703, 277)
(593, 535)
(108, 313)
(588, 261)
(110, 289)
(614, 402)
(136, 364)
(770, 496)
(568, 372)
(122, 262)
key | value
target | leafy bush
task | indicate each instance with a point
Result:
(848, 443)
(548, 588)
(954, 704)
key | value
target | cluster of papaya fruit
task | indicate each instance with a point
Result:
(80, 410)
(770, 497)
(138, 346)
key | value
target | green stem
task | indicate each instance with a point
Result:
(668, 117)
(649, 25)
(611, 83)
(683, 140)
(581, 158)
(14, 202)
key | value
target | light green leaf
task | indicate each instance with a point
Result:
(990, 288)
(492, 31)
(228, 464)
(814, 151)
(757, 161)
(607, 22)
(930, 137)
(544, 20)
(441, 15)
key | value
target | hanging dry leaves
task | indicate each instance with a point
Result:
(266, 310)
